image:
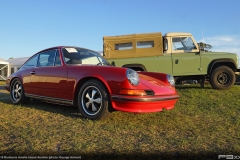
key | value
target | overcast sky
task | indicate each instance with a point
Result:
(28, 26)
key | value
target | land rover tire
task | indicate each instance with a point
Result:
(222, 78)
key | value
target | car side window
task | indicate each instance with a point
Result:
(46, 58)
(32, 62)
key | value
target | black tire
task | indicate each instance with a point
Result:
(222, 77)
(93, 100)
(17, 93)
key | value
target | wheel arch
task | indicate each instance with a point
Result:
(222, 78)
(14, 79)
(135, 66)
(222, 62)
(85, 79)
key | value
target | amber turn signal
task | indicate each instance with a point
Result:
(133, 92)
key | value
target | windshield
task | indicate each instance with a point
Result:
(183, 43)
(82, 56)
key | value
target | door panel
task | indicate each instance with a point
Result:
(186, 63)
(186, 59)
(49, 78)
(50, 81)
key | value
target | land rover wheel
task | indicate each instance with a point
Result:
(17, 93)
(222, 77)
(93, 100)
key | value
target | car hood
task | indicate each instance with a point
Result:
(159, 87)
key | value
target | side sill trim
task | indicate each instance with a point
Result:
(50, 99)
(145, 99)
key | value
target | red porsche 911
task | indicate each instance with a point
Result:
(82, 77)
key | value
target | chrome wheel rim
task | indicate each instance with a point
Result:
(17, 91)
(91, 100)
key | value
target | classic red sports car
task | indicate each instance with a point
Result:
(82, 77)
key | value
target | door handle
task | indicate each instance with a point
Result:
(176, 61)
(33, 72)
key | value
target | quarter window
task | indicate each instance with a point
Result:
(32, 62)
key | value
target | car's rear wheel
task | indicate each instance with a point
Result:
(93, 100)
(222, 77)
(17, 93)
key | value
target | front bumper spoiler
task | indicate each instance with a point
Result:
(144, 98)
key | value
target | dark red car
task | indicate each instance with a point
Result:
(82, 77)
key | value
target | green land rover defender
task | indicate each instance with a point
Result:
(174, 53)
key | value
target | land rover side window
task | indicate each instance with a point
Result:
(32, 62)
(145, 44)
(123, 46)
(183, 43)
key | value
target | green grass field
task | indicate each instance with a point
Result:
(204, 121)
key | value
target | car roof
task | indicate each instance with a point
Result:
(59, 47)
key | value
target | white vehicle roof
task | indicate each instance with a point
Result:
(2, 61)
(17, 61)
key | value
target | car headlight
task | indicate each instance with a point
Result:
(132, 77)
(171, 79)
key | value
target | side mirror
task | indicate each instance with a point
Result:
(113, 63)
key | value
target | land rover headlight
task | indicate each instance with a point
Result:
(132, 77)
(171, 79)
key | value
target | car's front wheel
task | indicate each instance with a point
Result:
(93, 100)
(17, 92)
